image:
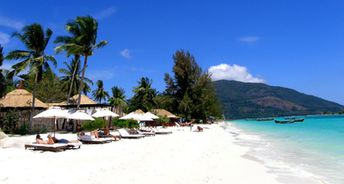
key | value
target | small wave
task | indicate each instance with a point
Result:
(275, 158)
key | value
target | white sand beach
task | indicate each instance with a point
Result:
(181, 157)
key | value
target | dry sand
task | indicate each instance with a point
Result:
(181, 157)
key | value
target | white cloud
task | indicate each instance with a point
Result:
(14, 24)
(232, 72)
(4, 38)
(95, 75)
(105, 13)
(249, 39)
(125, 53)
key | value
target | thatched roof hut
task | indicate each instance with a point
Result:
(85, 101)
(163, 112)
(20, 98)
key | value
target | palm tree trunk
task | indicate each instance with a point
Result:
(82, 81)
(76, 57)
(33, 100)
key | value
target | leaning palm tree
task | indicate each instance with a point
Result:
(100, 94)
(67, 45)
(83, 41)
(117, 99)
(2, 77)
(73, 85)
(35, 39)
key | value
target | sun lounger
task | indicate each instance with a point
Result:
(88, 140)
(47, 147)
(74, 145)
(161, 131)
(146, 133)
(124, 134)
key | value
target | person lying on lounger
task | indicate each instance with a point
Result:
(93, 134)
(39, 140)
(64, 140)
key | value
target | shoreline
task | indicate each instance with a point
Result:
(211, 156)
(284, 171)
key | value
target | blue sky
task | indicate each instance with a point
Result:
(291, 43)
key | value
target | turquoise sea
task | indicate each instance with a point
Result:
(310, 149)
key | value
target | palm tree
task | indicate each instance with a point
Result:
(35, 39)
(2, 77)
(83, 41)
(118, 99)
(68, 83)
(66, 42)
(100, 94)
(144, 95)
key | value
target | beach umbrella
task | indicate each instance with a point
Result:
(137, 117)
(80, 115)
(53, 112)
(104, 113)
(151, 115)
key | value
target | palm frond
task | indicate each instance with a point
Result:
(18, 54)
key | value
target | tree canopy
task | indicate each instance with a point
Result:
(190, 89)
(144, 96)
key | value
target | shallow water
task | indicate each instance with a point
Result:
(307, 152)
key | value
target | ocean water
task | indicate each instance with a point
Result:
(306, 152)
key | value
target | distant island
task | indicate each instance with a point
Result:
(256, 100)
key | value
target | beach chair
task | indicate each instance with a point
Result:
(146, 133)
(161, 131)
(92, 140)
(47, 147)
(125, 134)
(74, 145)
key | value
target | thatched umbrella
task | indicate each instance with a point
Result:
(163, 112)
(20, 98)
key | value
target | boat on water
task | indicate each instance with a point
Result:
(265, 119)
(288, 121)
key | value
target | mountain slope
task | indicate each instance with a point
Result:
(251, 100)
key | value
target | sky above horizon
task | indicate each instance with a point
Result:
(297, 44)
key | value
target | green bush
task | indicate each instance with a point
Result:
(9, 122)
(122, 123)
(93, 125)
(23, 129)
(164, 119)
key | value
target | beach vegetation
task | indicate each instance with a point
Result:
(123, 123)
(190, 90)
(23, 129)
(82, 41)
(33, 57)
(6, 76)
(144, 96)
(71, 80)
(49, 89)
(9, 122)
(100, 94)
(164, 119)
(117, 99)
(94, 125)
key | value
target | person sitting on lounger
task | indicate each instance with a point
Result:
(106, 134)
(39, 140)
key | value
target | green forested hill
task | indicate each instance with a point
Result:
(251, 100)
